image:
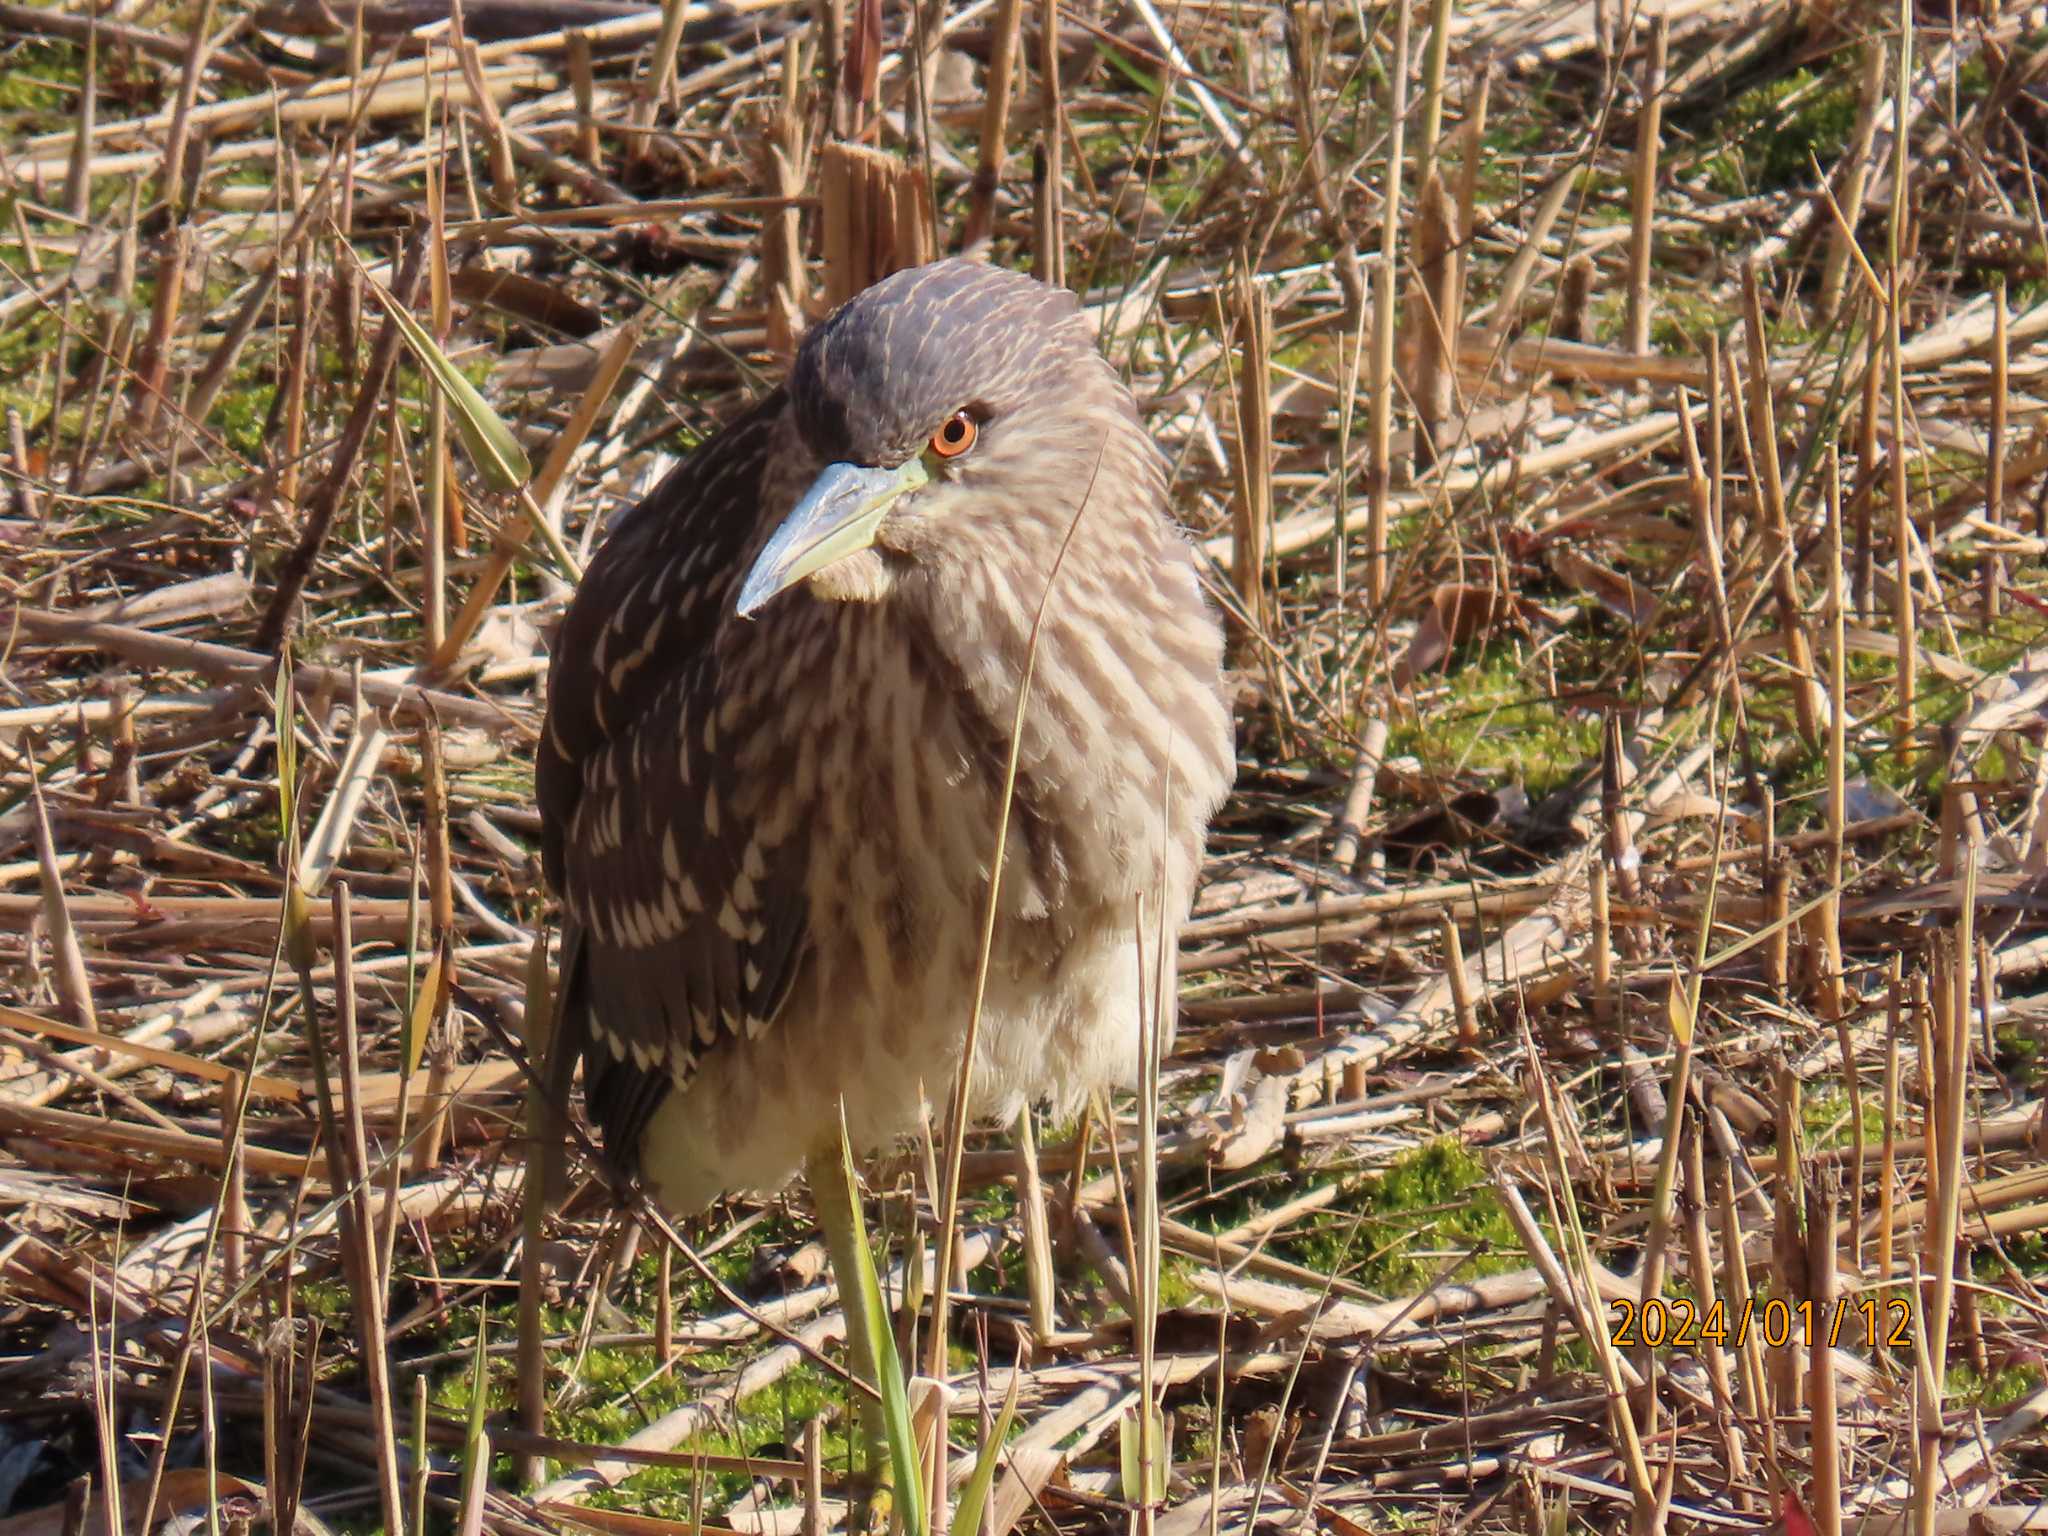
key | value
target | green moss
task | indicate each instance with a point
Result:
(33, 83)
(1493, 724)
(1397, 1231)
(1769, 136)
(2005, 1385)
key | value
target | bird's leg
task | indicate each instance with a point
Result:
(834, 1195)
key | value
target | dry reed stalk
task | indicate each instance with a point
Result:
(234, 1188)
(349, 1171)
(1904, 619)
(173, 255)
(1643, 188)
(1252, 507)
(1783, 551)
(1855, 174)
(829, 21)
(1756, 1405)
(543, 1131)
(655, 87)
(1833, 1001)
(1514, 282)
(1379, 453)
(1461, 984)
(298, 364)
(1681, 1006)
(1430, 317)
(1823, 1408)
(583, 86)
(1357, 812)
(2001, 407)
(1575, 298)
(497, 143)
(1604, 1002)
(1616, 775)
(995, 123)
(28, 505)
(1834, 990)
(172, 177)
(1701, 492)
(74, 987)
(1434, 60)
(1039, 1277)
(1700, 1271)
(320, 508)
(784, 282)
(1947, 1094)
(814, 1475)
(78, 173)
(1471, 157)
(1895, 1004)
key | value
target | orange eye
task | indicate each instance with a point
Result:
(955, 437)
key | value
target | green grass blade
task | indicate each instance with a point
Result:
(886, 1367)
(974, 1497)
(488, 441)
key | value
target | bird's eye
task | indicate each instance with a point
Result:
(955, 437)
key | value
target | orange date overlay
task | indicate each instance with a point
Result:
(1679, 1324)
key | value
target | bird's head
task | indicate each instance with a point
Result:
(947, 405)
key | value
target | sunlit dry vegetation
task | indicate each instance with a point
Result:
(1607, 1087)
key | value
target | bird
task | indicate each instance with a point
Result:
(781, 709)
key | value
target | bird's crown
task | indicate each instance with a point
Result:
(886, 368)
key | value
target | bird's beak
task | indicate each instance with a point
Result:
(839, 515)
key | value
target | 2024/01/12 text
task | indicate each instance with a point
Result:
(1679, 1324)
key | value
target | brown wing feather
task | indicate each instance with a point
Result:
(680, 929)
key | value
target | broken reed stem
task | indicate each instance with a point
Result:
(1461, 983)
(1379, 453)
(1643, 188)
(583, 87)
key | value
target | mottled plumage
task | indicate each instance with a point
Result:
(771, 834)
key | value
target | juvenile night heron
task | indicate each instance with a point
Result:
(779, 720)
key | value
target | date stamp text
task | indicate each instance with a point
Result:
(1679, 1324)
